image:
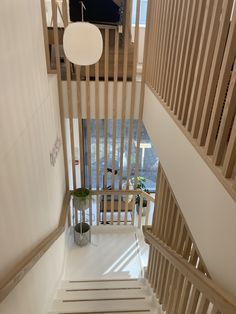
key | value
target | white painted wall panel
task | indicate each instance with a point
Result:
(32, 295)
(208, 208)
(31, 190)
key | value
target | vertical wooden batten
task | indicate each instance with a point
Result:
(106, 91)
(142, 94)
(228, 117)
(124, 86)
(133, 93)
(69, 97)
(114, 112)
(215, 71)
(170, 51)
(45, 33)
(80, 124)
(97, 113)
(224, 76)
(59, 85)
(114, 117)
(183, 52)
(214, 32)
(88, 127)
(196, 13)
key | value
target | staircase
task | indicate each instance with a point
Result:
(104, 296)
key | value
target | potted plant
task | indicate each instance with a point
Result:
(81, 197)
(81, 200)
(140, 186)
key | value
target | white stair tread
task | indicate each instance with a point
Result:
(106, 284)
(100, 306)
(130, 312)
(100, 294)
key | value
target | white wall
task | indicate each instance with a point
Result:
(209, 210)
(32, 295)
(141, 41)
(31, 189)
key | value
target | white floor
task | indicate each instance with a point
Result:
(114, 252)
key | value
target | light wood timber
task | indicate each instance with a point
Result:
(222, 300)
(133, 93)
(59, 85)
(69, 97)
(124, 89)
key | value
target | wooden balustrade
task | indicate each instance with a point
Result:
(118, 63)
(118, 207)
(191, 70)
(169, 224)
(107, 60)
(179, 286)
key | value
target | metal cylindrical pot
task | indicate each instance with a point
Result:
(82, 234)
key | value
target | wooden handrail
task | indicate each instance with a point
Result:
(148, 196)
(123, 192)
(115, 192)
(223, 301)
(125, 203)
(15, 275)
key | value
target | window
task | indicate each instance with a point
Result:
(143, 12)
(148, 160)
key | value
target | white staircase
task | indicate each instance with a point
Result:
(104, 296)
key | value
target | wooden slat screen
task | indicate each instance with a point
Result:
(179, 286)
(191, 70)
(170, 226)
(116, 208)
(117, 64)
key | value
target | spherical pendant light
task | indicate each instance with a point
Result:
(82, 43)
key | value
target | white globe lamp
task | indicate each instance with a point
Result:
(82, 43)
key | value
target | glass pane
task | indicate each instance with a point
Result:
(148, 160)
(143, 11)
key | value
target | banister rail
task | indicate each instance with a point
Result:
(170, 226)
(199, 294)
(15, 275)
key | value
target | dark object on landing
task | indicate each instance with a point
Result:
(97, 11)
(85, 227)
(110, 170)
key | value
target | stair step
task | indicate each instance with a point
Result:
(108, 306)
(119, 312)
(102, 285)
(106, 280)
(101, 294)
